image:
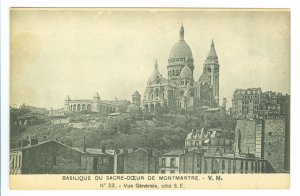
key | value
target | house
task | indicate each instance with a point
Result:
(96, 161)
(48, 157)
(169, 162)
(135, 161)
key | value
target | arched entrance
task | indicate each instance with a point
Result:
(89, 108)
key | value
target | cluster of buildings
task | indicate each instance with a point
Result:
(255, 146)
(253, 103)
(178, 91)
(53, 157)
(259, 143)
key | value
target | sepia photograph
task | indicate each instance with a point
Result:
(177, 93)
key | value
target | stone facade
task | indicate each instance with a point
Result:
(213, 141)
(240, 165)
(276, 145)
(191, 162)
(60, 120)
(249, 137)
(179, 90)
(195, 162)
(267, 139)
(169, 162)
(92, 105)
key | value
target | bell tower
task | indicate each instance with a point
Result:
(212, 69)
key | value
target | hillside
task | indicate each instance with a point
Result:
(161, 135)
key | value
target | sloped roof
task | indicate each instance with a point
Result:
(173, 153)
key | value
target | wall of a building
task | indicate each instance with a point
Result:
(138, 162)
(104, 164)
(233, 165)
(168, 168)
(251, 136)
(50, 158)
(275, 144)
(191, 162)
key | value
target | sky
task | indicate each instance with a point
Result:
(77, 52)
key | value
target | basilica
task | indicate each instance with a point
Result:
(180, 90)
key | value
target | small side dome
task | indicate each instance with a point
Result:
(186, 71)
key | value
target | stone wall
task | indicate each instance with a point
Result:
(276, 144)
(248, 137)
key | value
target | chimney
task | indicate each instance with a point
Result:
(125, 151)
(103, 149)
(84, 146)
(19, 143)
(33, 141)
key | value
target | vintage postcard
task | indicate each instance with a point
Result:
(149, 98)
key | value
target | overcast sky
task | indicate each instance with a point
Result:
(56, 53)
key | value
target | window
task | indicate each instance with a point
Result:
(205, 166)
(252, 167)
(95, 163)
(20, 161)
(223, 166)
(229, 166)
(54, 160)
(163, 171)
(100, 161)
(256, 164)
(242, 166)
(163, 162)
(173, 162)
(246, 167)
(172, 172)
(198, 162)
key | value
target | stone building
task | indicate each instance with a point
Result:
(277, 145)
(134, 107)
(92, 105)
(169, 162)
(96, 161)
(59, 120)
(231, 164)
(195, 162)
(213, 141)
(49, 157)
(179, 90)
(249, 137)
(253, 103)
(266, 139)
(135, 161)
(56, 112)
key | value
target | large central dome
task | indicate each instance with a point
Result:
(181, 49)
